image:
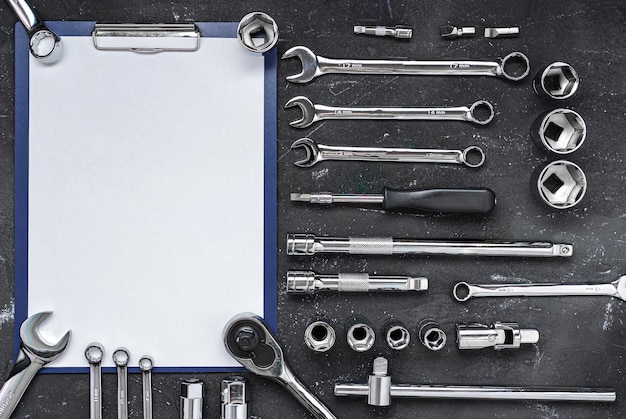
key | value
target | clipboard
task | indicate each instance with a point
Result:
(190, 237)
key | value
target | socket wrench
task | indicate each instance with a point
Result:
(250, 342)
(44, 44)
(94, 353)
(463, 291)
(308, 245)
(480, 112)
(514, 66)
(472, 156)
(379, 390)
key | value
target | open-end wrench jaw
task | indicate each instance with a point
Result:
(310, 67)
(34, 344)
(620, 288)
(312, 152)
(308, 111)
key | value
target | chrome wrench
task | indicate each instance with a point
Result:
(44, 44)
(463, 291)
(121, 357)
(515, 66)
(93, 354)
(480, 112)
(471, 157)
(33, 355)
(146, 363)
(308, 245)
(249, 340)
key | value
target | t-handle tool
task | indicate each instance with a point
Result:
(460, 200)
(33, 355)
(379, 390)
(249, 340)
(464, 291)
(44, 44)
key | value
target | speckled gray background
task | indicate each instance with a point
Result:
(582, 340)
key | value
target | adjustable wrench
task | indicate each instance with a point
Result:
(249, 340)
(514, 66)
(44, 44)
(33, 355)
(464, 291)
(471, 157)
(480, 112)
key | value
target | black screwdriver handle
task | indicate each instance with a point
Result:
(474, 200)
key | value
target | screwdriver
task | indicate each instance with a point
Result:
(459, 200)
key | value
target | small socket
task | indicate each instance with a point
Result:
(396, 334)
(359, 334)
(431, 335)
(319, 335)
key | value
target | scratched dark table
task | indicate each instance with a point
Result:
(582, 340)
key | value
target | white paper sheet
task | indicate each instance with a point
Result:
(146, 199)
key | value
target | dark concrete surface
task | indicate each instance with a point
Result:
(582, 340)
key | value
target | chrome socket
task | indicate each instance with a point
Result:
(556, 81)
(359, 334)
(319, 335)
(396, 334)
(560, 131)
(499, 336)
(191, 398)
(257, 23)
(431, 335)
(560, 184)
(234, 398)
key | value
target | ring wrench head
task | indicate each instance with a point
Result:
(309, 64)
(257, 23)
(46, 46)
(515, 66)
(94, 353)
(312, 152)
(33, 343)
(473, 156)
(560, 131)
(481, 112)
(307, 108)
(462, 291)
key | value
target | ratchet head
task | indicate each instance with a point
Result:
(312, 152)
(249, 340)
(620, 288)
(310, 68)
(307, 108)
(33, 343)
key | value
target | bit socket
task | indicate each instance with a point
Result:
(511, 32)
(399, 32)
(452, 32)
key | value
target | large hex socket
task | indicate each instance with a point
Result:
(560, 184)
(359, 334)
(556, 81)
(561, 131)
(319, 335)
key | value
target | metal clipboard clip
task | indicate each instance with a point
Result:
(147, 38)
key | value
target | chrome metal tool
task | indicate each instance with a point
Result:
(453, 32)
(191, 398)
(431, 335)
(396, 334)
(443, 200)
(515, 66)
(464, 291)
(398, 31)
(44, 44)
(94, 353)
(250, 342)
(121, 356)
(359, 334)
(308, 245)
(379, 390)
(558, 81)
(299, 282)
(146, 363)
(34, 353)
(510, 32)
(234, 398)
(319, 335)
(471, 157)
(498, 336)
(480, 112)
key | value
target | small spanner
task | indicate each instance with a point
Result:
(471, 157)
(480, 112)
(33, 355)
(514, 66)
(94, 353)
(464, 291)
(249, 340)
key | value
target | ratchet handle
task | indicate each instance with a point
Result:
(474, 201)
(306, 398)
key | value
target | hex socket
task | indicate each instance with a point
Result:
(396, 334)
(560, 131)
(359, 333)
(560, 184)
(431, 335)
(556, 81)
(319, 335)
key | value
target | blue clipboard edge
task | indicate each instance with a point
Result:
(208, 30)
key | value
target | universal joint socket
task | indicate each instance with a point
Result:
(499, 336)
(234, 398)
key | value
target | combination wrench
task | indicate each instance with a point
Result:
(463, 291)
(471, 157)
(250, 342)
(480, 112)
(121, 357)
(33, 355)
(515, 66)
(94, 353)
